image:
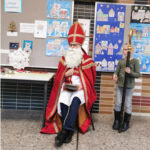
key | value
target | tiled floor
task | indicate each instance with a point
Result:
(20, 130)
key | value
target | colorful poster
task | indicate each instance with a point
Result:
(140, 14)
(109, 35)
(59, 9)
(56, 47)
(27, 46)
(141, 42)
(58, 28)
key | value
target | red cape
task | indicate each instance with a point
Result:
(88, 76)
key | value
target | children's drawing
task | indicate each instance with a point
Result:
(141, 42)
(58, 28)
(56, 47)
(27, 46)
(59, 9)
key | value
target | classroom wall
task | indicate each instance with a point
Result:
(31, 10)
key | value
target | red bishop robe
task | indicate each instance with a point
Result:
(87, 73)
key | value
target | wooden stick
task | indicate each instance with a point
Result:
(125, 81)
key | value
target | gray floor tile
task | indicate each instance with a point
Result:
(20, 130)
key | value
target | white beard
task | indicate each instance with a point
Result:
(73, 57)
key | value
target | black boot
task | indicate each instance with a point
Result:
(126, 122)
(61, 137)
(58, 135)
(69, 137)
(64, 110)
(116, 120)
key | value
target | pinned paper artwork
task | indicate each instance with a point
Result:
(14, 6)
(111, 13)
(27, 27)
(140, 14)
(85, 23)
(40, 29)
(12, 27)
(120, 16)
(59, 9)
(27, 46)
(56, 47)
(141, 42)
(19, 59)
(13, 45)
(58, 28)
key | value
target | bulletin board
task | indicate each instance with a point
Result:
(31, 11)
(112, 25)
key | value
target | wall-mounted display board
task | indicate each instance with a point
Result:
(112, 25)
(58, 13)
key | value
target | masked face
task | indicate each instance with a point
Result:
(73, 57)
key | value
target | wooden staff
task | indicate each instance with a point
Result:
(125, 81)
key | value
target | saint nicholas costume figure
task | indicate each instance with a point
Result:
(65, 105)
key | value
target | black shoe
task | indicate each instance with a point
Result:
(58, 135)
(115, 125)
(60, 138)
(69, 137)
(125, 126)
(116, 120)
(126, 122)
